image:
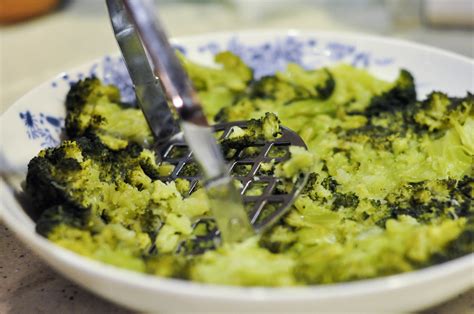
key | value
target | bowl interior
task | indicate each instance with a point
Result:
(35, 121)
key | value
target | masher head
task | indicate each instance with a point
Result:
(266, 197)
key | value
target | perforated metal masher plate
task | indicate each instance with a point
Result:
(263, 209)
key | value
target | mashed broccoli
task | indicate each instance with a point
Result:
(390, 188)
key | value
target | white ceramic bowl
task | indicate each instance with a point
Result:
(35, 121)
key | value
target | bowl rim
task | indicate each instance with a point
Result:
(335, 34)
(214, 291)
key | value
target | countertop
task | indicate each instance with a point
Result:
(34, 51)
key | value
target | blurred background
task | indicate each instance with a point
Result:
(41, 38)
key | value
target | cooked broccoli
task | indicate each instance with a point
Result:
(399, 97)
(439, 112)
(76, 168)
(94, 110)
(402, 247)
(45, 188)
(346, 200)
(85, 185)
(227, 265)
(298, 96)
(217, 88)
(255, 133)
(318, 84)
(83, 92)
(190, 170)
(458, 247)
(431, 201)
(66, 213)
(276, 88)
(301, 161)
(390, 189)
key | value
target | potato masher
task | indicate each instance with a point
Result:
(143, 42)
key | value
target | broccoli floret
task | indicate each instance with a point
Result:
(65, 213)
(348, 200)
(399, 97)
(94, 110)
(284, 90)
(256, 131)
(275, 88)
(190, 170)
(439, 112)
(431, 201)
(300, 161)
(462, 245)
(82, 186)
(294, 84)
(83, 92)
(266, 128)
(81, 171)
(270, 127)
(151, 168)
(168, 265)
(46, 179)
(217, 88)
(317, 84)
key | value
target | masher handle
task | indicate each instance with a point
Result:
(175, 81)
(149, 93)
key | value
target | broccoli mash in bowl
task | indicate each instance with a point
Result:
(390, 187)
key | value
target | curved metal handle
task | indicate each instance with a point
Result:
(150, 95)
(224, 198)
(173, 77)
(178, 87)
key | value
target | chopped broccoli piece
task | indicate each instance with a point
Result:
(218, 88)
(83, 92)
(168, 265)
(256, 132)
(47, 173)
(348, 200)
(399, 249)
(439, 112)
(458, 247)
(94, 110)
(114, 244)
(301, 161)
(317, 83)
(190, 170)
(227, 265)
(66, 213)
(399, 97)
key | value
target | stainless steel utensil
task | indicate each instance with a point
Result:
(139, 35)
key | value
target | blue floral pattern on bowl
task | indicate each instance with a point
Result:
(270, 57)
(44, 128)
(265, 59)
